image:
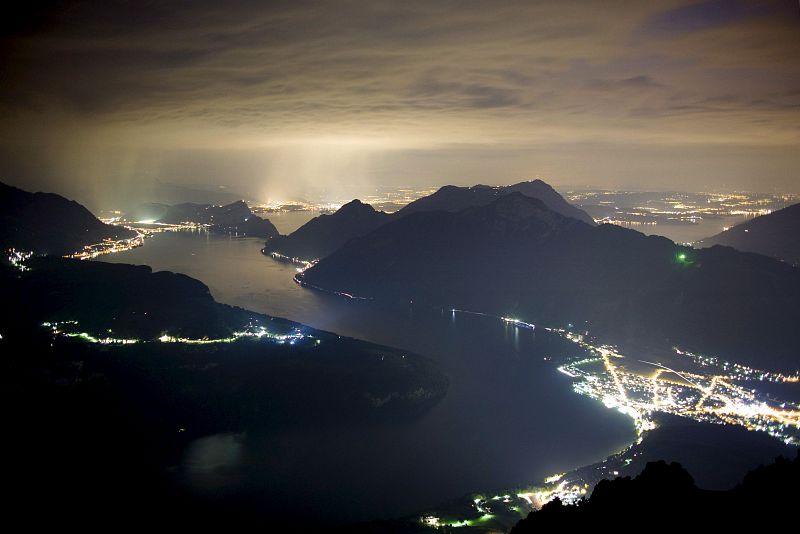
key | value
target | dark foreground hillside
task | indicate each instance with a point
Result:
(94, 429)
(666, 495)
(239, 368)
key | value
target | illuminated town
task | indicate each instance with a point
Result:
(388, 199)
(302, 264)
(17, 258)
(664, 213)
(703, 388)
(143, 229)
(71, 329)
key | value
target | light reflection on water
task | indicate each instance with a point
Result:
(509, 418)
(213, 464)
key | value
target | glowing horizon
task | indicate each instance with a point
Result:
(274, 100)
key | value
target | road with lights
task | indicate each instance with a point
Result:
(681, 383)
(685, 384)
(71, 329)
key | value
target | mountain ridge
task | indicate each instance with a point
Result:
(325, 234)
(776, 235)
(554, 270)
(233, 218)
(28, 221)
(455, 198)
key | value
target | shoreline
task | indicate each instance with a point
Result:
(569, 476)
(571, 486)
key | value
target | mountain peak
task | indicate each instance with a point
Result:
(28, 220)
(355, 208)
(355, 205)
(535, 182)
(322, 235)
(453, 198)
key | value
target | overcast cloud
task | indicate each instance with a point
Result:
(274, 99)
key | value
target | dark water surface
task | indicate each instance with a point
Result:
(509, 417)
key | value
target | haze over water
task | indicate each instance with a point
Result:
(509, 419)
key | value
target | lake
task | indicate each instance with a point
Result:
(509, 417)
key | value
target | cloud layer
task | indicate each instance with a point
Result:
(318, 94)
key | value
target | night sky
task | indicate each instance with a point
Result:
(99, 100)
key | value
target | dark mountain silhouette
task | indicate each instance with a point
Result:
(718, 456)
(453, 198)
(324, 234)
(235, 218)
(222, 386)
(46, 223)
(666, 494)
(516, 256)
(131, 300)
(106, 424)
(776, 235)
